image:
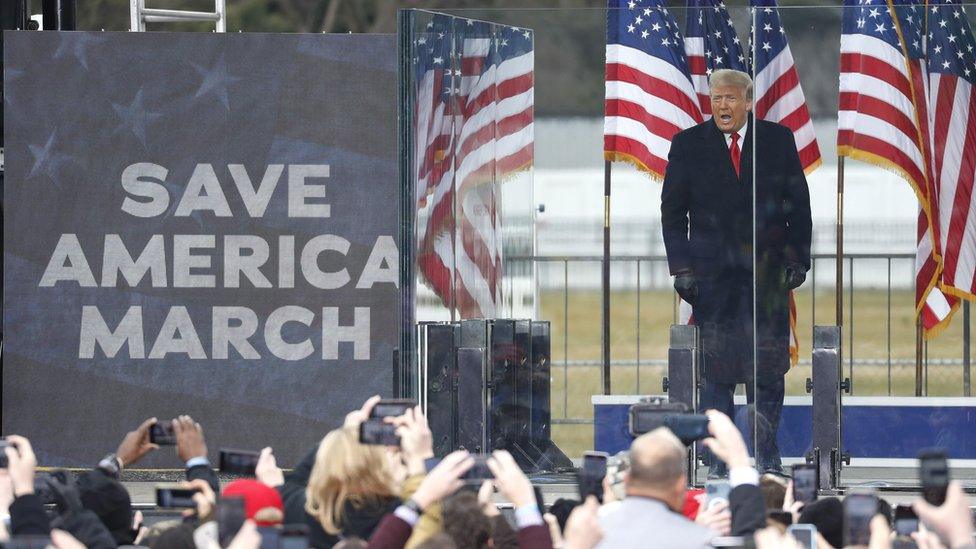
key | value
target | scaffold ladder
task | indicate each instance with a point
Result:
(139, 15)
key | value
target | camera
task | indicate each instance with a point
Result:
(162, 433)
(479, 471)
(859, 509)
(805, 483)
(174, 496)
(378, 432)
(3, 452)
(933, 471)
(392, 408)
(648, 414)
(241, 462)
(591, 475)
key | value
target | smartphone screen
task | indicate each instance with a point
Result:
(240, 462)
(479, 472)
(906, 521)
(591, 475)
(391, 408)
(294, 536)
(270, 537)
(715, 491)
(175, 497)
(379, 433)
(230, 518)
(687, 427)
(804, 534)
(805, 483)
(933, 472)
(162, 433)
(859, 508)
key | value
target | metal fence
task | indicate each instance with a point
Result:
(955, 351)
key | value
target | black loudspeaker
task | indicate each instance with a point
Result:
(439, 370)
(501, 385)
(485, 385)
(471, 398)
(540, 412)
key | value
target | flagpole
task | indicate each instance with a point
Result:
(840, 242)
(606, 277)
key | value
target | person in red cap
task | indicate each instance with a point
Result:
(262, 504)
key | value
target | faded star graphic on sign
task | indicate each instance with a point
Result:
(134, 117)
(216, 81)
(46, 162)
(76, 45)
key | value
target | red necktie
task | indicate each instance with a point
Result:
(734, 152)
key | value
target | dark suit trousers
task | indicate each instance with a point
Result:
(767, 395)
(724, 313)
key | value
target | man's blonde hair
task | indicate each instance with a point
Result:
(731, 77)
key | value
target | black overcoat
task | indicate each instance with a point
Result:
(707, 222)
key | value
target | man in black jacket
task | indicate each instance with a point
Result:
(716, 171)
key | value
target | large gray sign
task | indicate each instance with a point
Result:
(200, 224)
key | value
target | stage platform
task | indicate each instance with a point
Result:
(895, 484)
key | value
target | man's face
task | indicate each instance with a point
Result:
(730, 107)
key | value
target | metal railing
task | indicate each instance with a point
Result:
(855, 362)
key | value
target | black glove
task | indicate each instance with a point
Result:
(793, 275)
(686, 285)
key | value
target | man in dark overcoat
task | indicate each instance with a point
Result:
(719, 173)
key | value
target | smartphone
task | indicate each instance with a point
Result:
(294, 536)
(687, 427)
(804, 534)
(783, 517)
(716, 491)
(933, 472)
(392, 407)
(378, 432)
(162, 433)
(238, 462)
(859, 509)
(270, 537)
(479, 472)
(591, 475)
(729, 541)
(230, 518)
(805, 483)
(3, 452)
(906, 521)
(174, 496)
(539, 501)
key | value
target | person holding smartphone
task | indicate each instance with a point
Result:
(656, 483)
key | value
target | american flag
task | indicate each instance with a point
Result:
(932, 306)
(649, 92)
(952, 118)
(778, 95)
(710, 44)
(485, 135)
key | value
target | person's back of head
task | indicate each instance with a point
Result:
(773, 491)
(561, 508)
(657, 467)
(346, 471)
(827, 514)
(464, 520)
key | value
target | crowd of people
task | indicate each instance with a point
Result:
(346, 494)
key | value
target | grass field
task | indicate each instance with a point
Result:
(576, 332)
